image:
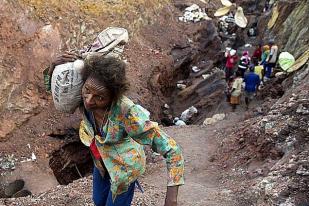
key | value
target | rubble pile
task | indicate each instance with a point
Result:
(69, 195)
(279, 141)
(194, 14)
(286, 129)
(7, 162)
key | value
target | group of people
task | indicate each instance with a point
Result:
(251, 71)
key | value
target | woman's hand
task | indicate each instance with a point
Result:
(61, 59)
(171, 196)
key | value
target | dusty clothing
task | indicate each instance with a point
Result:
(268, 67)
(228, 73)
(102, 195)
(229, 66)
(252, 81)
(265, 54)
(273, 53)
(235, 100)
(244, 62)
(259, 71)
(257, 53)
(237, 87)
(249, 95)
(231, 61)
(120, 145)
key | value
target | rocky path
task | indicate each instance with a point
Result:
(204, 184)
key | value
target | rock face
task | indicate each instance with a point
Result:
(37, 32)
(26, 46)
(279, 142)
(286, 128)
(291, 27)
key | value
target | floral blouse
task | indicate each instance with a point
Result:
(128, 128)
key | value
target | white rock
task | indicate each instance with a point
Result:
(181, 86)
(209, 121)
(219, 117)
(302, 171)
(33, 157)
(195, 69)
(302, 110)
(166, 106)
(206, 76)
(279, 74)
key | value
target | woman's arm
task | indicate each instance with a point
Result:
(61, 59)
(141, 129)
(171, 196)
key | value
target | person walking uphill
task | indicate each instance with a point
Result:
(236, 91)
(244, 63)
(258, 52)
(252, 82)
(231, 59)
(116, 129)
(271, 59)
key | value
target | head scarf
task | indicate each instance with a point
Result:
(232, 52)
(245, 53)
(266, 48)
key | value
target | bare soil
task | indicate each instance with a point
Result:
(161, 52)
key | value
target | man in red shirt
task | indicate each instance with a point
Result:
(258, 53)
(231, 60)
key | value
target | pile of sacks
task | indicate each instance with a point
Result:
(194, 14)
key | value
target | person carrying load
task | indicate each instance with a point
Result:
(115, 130)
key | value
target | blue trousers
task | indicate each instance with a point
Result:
(268, 69)
(102, 195)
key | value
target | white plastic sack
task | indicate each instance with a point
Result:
(226, 3)
(222, 11)
(240, 18)
(109, 42)
(188, 114)
(66, 82)
(286, 60)
(179, 122)
(66, 86)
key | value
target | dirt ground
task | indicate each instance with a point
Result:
(205, 182)
(160, 48)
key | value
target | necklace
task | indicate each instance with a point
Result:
(99, 125)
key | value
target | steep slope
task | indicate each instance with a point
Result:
(34, 32)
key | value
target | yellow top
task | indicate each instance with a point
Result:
(258, 70)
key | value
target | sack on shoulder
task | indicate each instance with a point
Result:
(67, 80)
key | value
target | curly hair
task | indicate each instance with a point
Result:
(110, 71)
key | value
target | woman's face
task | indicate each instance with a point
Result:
(95, 95)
